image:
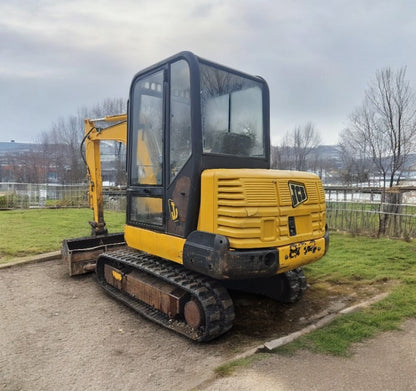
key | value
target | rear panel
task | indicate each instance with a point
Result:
(262, 208)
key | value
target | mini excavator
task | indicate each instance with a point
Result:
(205, 213)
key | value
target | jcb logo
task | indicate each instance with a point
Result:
(298, 193)
(173, 210)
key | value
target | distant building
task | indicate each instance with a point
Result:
(37, 163)
(13, 147)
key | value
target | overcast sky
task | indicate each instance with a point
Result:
(317, 56)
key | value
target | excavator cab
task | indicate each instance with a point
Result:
(187, 115)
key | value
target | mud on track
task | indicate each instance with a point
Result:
(64, 333)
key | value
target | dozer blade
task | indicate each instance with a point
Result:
(81, 254)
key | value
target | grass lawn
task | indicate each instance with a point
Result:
(351, 264)
(34, 231)
(354, 263)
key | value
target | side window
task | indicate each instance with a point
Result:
(146, 210)
(147, 153)
(180, 117)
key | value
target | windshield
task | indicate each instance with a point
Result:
(232, 113)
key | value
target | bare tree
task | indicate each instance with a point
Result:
(56, 155)
(281, 156)
(63, 140)
(356, 164)
(385, 124)
(296, 147)
(383, 128)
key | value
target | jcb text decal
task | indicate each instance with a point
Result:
(302, 249)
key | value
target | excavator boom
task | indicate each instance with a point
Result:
(81, 254)
(92, 138)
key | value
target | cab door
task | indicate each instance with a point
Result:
(163, 183)
(145, 195)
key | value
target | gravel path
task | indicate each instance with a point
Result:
(62, 333)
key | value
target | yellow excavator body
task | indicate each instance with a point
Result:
(205, 213)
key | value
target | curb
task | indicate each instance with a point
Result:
(322, 322)
(270, 345)
(31, 259)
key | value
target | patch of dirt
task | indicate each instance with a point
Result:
(259, 319)
(65, 333)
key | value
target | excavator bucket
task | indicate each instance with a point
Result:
(81, 254)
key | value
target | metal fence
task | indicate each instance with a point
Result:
(363, 218)
(361, 211)
(29, 195)
(352, 213)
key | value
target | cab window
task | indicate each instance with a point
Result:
(180, 117)
(232, 113)
(147, 134)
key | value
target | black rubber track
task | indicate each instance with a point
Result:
(212, 297)
(294, 286)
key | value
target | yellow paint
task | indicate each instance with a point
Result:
(206, 211)
(288, 260)
(155, 243)
(117, 275)
(116, 132)
(251, 207)
(174, 213)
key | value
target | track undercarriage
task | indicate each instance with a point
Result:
(184, 301)
(187, 302)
